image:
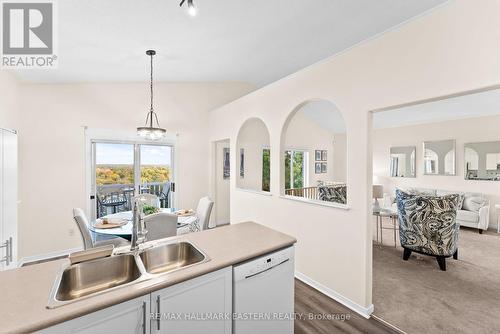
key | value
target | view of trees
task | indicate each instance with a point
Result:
(124, 174)
(266, 170)
(296, 159)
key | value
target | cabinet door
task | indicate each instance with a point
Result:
(130, 317)
(202, 305)
(9, 198)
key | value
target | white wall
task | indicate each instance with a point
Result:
(52, 158)
(253, 138)
(451, 49)
(9, 100)
(471, 130)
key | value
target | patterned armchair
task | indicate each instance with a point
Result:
(428, 225)
(333, 193)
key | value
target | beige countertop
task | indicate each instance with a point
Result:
(25, 291)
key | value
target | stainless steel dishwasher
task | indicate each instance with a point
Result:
(263, 294)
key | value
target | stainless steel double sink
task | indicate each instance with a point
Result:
(97, 276)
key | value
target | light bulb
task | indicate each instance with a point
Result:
(192, 10)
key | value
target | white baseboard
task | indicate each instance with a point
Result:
(45, 256)
(361, 310)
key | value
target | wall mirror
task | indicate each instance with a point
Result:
(439, 157)
(314, 156)
(403, 161)
(253, 165)
(482, 161)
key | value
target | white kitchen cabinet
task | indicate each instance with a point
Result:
(185, 307)
(8, 199)
(130, 317)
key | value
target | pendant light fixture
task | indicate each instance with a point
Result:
(149, 130)
(191, 7)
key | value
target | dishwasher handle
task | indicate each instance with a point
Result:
(267, 269)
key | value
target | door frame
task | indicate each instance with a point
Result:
(213, 178)
(93, 136)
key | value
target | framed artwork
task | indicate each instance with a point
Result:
(226, 164)
(242, 163)
(324, 155)
(317, 168)
(317, 155)
(323, 167)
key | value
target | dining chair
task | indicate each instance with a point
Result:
(150, 199)
(203, 212)
(88, 242)
(164, 195)
(160, 225)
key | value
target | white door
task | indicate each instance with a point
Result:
(130, 317)
(185, 307)
(8, 199)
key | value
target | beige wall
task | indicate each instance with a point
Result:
(9, 95)
(451, 49)
(463, 131)
(52, 157)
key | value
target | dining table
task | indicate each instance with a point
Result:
(185, 224)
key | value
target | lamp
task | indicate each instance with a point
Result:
(149, 131)
(191, 7)
(378, 192)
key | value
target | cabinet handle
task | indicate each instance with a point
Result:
(158, 315)
(144, 317)
(8, 251)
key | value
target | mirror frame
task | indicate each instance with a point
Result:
(454, 157)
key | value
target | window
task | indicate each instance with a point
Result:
(296, 175)
(121, 168)
(266, 169)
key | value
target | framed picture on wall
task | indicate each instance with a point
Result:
(317, 155)
(324, 155)
(226, 166)
(323, 167)
(317, 168)
(242, 163)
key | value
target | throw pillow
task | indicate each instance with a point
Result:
(473, 203)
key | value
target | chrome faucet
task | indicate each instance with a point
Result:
(138, 230)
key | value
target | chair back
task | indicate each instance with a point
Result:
(83, 223)
(428, 224)
(150, 199)
(203, 212)
(161, 225)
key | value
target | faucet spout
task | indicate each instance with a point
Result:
(138, 232)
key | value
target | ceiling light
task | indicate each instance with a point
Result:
(149, 131)
(191, 7)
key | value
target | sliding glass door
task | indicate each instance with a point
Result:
(120, 169)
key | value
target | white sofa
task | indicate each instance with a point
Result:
(474, 213)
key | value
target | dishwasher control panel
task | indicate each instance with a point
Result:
(264, 263)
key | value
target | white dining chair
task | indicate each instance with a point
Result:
(160, 225)
(83, 225)
(150, 199)
(203, 212)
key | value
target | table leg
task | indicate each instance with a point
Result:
(376, 226)
(394, 228)
(381, 230)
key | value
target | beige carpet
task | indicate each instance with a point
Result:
(417, 297)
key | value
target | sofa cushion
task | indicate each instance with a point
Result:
(468, 216)
(473, 203)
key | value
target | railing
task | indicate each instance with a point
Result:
(123, 193)
(306, 192)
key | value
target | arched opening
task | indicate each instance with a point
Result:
(314, 154)
(253, 156)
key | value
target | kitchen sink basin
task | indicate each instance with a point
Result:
(86, 278)
(169, 257)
